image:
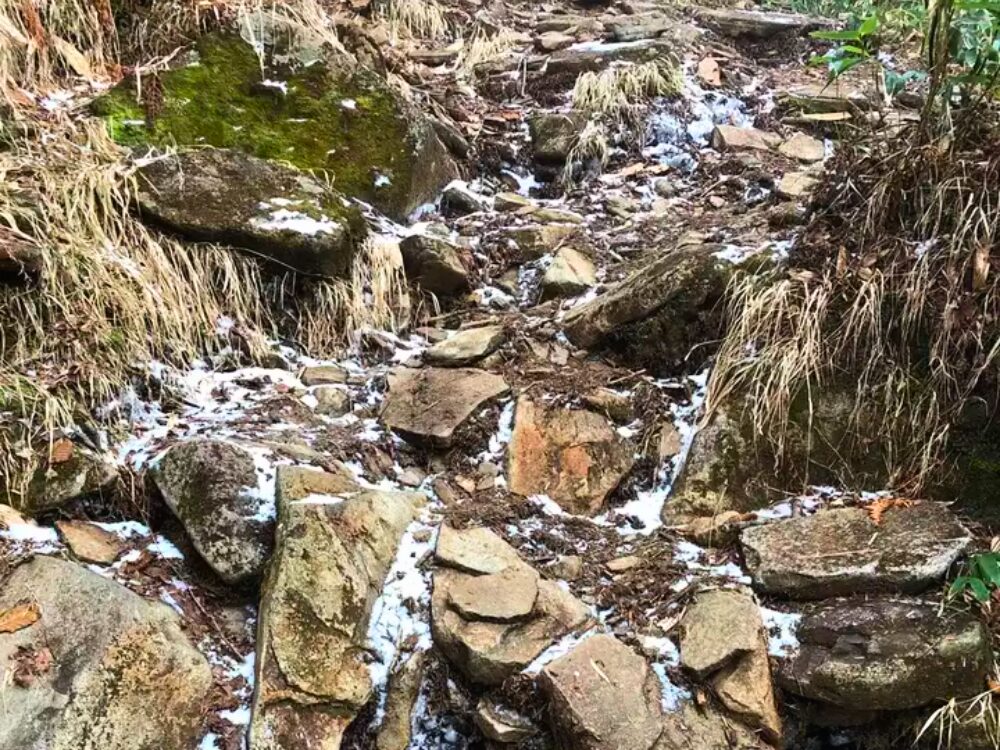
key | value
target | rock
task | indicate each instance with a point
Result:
(570, 273)
(670, 442)
(712, 531)
(553, 136)
(507, 596)
(803, 147)
(550, 41)
(887, 654)
(796, 185)
(489, 652)
(478, 551)
(745, 689)
(299, 482)
(270, 210)
(459, 200)
(758, 24)
(731, 137)
(567, 567)
(503, 726)
(89, 542)
(621, 564)
(395, 732)
(636, 27)
(603, 696)
(536, 240)
(576, 457)
(211, 486)
(411, 477)
(617, 406)
(550, 215)
(431, 403)
(434, 263)
(324, 375)
(721, 626)
(596, 57)
(836, 97)
(839, 552)
(506, 201)
(655, 317)
(108, 655)
(331, 559)
(63, 478)
(466, 346)
(709, 72)
(325, 114)
(332, 401)
(704, 727)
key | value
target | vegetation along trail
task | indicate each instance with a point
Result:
(445, 374)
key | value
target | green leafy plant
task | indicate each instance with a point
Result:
(982, 578)
(857, 46)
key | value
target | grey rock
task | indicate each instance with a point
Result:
(466, 346)
(113, 655)
(840, 552)
(434, 263)
(220, 195)
(887, 654)
(209, 485)
(719, 627)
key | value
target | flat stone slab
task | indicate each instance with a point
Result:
(841, 552)
(757, 24)
(466, 346)
(887, 654)
(506, 596)
(430, 404)
(479, 551)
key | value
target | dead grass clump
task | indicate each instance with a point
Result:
(896, 293)
(421, 19)
(591, 146)
(109, 293)
(41, 40)
(620, 92)
(484, 47)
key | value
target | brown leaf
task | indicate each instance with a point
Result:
(841, 262)
(19, 617)
(29, 663)
(61, 452)
(877, 508)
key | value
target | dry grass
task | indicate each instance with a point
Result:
(896, 300)
(981, 710)
(619, 93)
(483, 47)
(591, 145)
(420, 19)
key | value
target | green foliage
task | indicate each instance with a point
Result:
(857, 46)
(982, 578)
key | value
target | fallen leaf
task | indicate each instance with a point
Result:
(709, 71)
(73, 57)
(877, 508)
(19, 617)
(61, 452)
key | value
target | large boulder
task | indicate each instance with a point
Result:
(331, 559)
(574, 456)
(492, 614)
(553, 136)
(211, 486)
(99, 668)
(841, 551)
(654, 318)
(432, 403)
(273, 211)
(603, 696)
(887, 654)
(312, 108)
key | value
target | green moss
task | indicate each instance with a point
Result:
(220, 99)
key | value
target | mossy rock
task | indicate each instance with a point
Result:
(731, 467)
(325, 116)
(278, 213)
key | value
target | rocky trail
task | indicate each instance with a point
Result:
(514, 523)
